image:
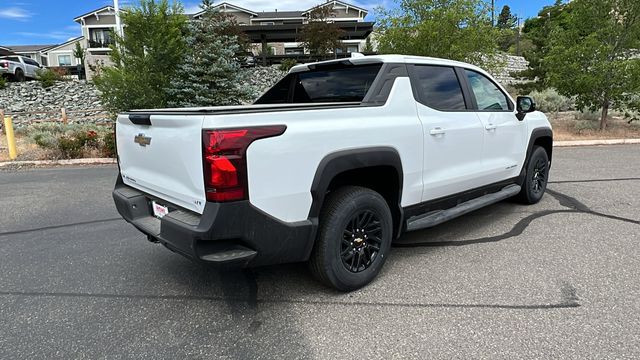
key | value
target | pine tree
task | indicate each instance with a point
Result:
(506, 20)
(210, 73)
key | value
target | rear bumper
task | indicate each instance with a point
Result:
(228, 234)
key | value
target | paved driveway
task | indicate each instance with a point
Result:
(560, 279)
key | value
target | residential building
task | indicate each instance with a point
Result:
(63, 54)
(272, 32)
(35, 52)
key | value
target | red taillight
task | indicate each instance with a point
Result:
(225, 162)
(4, 64)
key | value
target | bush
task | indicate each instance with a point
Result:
(588, 115)
(582, 125)
(3, 82)
(549, 100)
(287, 64)
(73, 141)
(48, 77)
(109, 148)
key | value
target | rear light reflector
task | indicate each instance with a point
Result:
(4, 64)
(225, 163)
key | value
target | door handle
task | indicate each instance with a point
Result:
(490, 127)
(436, 131)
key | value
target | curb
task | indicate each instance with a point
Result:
(93, 161)
(595, 142)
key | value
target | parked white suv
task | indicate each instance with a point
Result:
(19, 67)
(331, 164)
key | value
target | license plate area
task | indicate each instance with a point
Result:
(159, 210)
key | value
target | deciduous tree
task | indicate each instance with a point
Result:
(451, 29)
(592, 58)
(320, 35)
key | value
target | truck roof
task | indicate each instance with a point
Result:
(404, 59)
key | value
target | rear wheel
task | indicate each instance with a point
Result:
(354, 238)
(19, 76)
(536, 177)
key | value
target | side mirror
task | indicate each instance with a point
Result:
(524, 105)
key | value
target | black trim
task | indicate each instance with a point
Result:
(380, 89)
(140, 119)
(337, 163)
(537, 133)
(450, 201)
(221, 227)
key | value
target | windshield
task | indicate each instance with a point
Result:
(345, 83)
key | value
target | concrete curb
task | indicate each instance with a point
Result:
(93, 161)
(595, 142)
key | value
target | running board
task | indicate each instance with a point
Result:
(438, 217)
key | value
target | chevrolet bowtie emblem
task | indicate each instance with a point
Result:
(142, 140)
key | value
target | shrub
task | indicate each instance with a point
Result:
(287, 64)
(582, 125)
(588, 115)
(48, 77)
(549, 100)
(109, 141)
(3, 82)
(73, 140)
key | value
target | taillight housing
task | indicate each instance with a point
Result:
(4, 64)
(225, 160)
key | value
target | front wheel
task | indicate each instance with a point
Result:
(536, 177)
(354, 238)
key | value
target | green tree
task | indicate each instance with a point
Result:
(536, 33)
(209, 74)
(506, 20)
(145, 58)
(451, 29)
(79, 53)
(592, 58)
(368, 47)
(319, 35)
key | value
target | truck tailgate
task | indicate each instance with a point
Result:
(162, 155)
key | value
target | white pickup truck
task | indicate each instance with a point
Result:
(330, 165)
(19, 67)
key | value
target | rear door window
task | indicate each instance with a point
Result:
(346, 83)
(438, 87)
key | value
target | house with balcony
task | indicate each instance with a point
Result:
(97, 29)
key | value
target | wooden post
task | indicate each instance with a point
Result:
(64, 116)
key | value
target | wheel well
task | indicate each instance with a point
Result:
(546, 143)
(381, 179)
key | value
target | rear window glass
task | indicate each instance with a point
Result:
(10, 58)
(341, 84)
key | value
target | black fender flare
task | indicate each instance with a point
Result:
(338, 162)
(537, 133)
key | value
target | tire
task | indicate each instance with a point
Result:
(19, 76)
(362, 216)
(536, 177)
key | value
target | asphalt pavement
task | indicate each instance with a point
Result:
(560, 279)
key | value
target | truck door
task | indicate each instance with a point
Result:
(453, 133)
(505, 137)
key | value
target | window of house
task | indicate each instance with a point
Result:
(438, 87)
(64, 60)
(352, 48)
(488, 95)
(294, 51)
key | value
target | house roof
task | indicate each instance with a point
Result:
(337, 2)
(94, 12)
(70, 41)
(226, 5)
(4, 51)
(29, 48)
(279, 14)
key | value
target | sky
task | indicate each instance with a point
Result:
(30, 22)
